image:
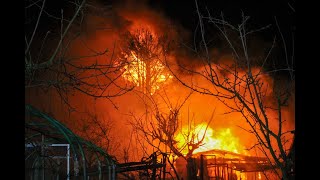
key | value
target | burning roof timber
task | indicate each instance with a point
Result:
(238, 162)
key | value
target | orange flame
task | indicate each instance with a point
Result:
(136, 72)
(222, 139)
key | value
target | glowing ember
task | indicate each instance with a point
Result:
(222, 139)
(148, 77)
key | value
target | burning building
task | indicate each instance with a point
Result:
(200, 105)
(221, 164)
(219, 156)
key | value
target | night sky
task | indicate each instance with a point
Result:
(184, 11)
(262, 13)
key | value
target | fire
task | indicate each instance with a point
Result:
(148, 78)
(222, 139)
(135, 71)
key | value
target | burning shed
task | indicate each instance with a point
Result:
(228, 165)
(222, 164)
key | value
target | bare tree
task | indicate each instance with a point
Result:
(161, 130)
(51, 30)
(144, 53)
(241, 86)
(98, 130)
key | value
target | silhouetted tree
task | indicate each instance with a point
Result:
(240, 85)
(51, 31)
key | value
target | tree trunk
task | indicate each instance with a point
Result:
(191, 169)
